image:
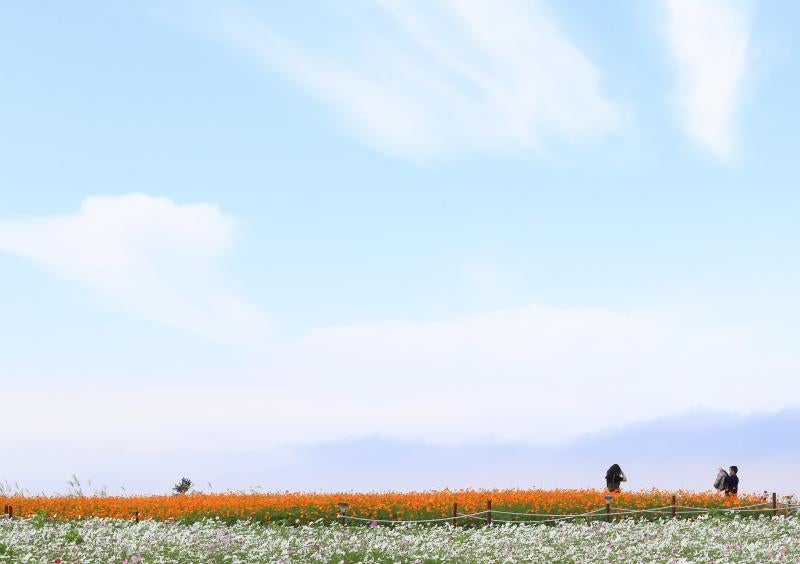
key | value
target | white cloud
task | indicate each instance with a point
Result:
(710, 42)
(535, 374)
(471, 75)
(152, 257)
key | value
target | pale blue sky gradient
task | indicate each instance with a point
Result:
(392, 240)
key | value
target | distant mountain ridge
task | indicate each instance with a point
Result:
(682, 451)
(669, 453)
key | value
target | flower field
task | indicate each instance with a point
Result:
(303, 508)
(704, 539)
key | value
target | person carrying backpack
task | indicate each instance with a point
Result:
(727, 482)
(614, 477)
(732, 481)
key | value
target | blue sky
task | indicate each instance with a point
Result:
(258, 225)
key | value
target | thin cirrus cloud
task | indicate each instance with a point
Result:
(148, 256)
(447, 76)
(710, 43)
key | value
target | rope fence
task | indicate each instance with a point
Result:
(607, 512)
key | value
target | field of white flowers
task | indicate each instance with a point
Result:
(737, 539)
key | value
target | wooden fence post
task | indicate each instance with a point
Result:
(10, 511)
(488, 511)
(672, 509)
(774, 504)
(455, 513)
(136, 514)
(608, 512)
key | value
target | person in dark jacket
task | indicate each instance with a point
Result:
(732, 481)
(614, 477)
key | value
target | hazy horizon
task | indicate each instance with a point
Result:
(241, 240)
(669, 453)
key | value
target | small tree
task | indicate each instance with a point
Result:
(183, 486)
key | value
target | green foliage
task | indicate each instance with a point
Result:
(39, 519)
(72, 535)
(183, 486)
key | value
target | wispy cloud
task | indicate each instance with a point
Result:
(710, 41)
(532, 374)
(447, 76)
(147, 255)
(536, 374)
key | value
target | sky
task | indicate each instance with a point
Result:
(254, 229)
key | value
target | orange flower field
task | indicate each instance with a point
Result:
(291, 507)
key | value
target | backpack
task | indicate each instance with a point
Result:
(719, 481)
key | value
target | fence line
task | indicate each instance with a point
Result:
(489, 515)
(673, 509)
(437, 520)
